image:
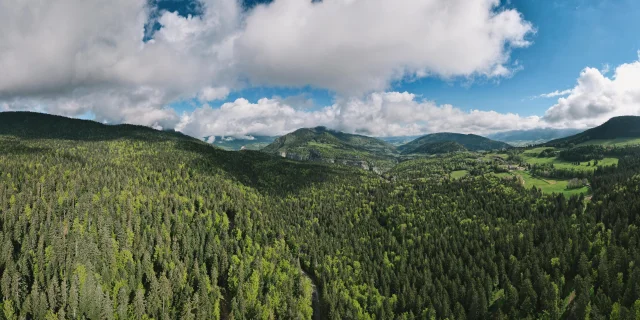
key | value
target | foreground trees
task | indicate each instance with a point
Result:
(140, 228)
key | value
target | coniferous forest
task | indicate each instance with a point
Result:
(124, 222)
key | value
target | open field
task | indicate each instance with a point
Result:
(459, 174)
(551, 186)
(546, 185)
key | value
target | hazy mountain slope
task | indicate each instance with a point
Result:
(470, 142)
(398, 141)
(439, 147)
(322, 144)
(533, 136)
(618, 127)
(250, 143)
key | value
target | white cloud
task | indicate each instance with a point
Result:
(75, 57)
(554, 94)
(62, 55)
(379, 114)
(353, 46)
(211, 94)
(596, 98)
(70, 57)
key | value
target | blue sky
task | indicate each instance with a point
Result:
(378, 67)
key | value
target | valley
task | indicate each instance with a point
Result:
(104, 221)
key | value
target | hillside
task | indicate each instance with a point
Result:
(615, 128)
(126, 222)
(32, 125)
(470, 142)
(533, 136)
(439, 147)
(325, 145)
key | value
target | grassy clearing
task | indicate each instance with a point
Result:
(459, 174)
(546, 185)
(502, 174)
(560, 164)
(550, 186)
(619, 142)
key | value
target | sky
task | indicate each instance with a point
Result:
(374, 67)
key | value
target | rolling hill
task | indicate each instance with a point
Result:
(33, 125)
(470, 142)
(127, 222)
(325, 145)
(615, 128)
(439, 147)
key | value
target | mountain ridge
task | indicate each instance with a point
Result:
(471, 142)
(616, 127)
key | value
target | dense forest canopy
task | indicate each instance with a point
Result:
(125, 222)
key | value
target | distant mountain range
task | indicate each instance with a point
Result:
(615, 128)
(325, 145)
(398, 141)
(470, 142)
(533, 136)
(233, 143)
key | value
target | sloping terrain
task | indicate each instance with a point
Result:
(324, 145)
(144, 224)
(470, 142)
(439, 147)
(615, 128)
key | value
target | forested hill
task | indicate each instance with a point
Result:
(470, 142)
(438, 147)
(156, 226)
(32, 125)
(325, 145)
(615, 128)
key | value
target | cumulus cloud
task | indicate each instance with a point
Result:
(596, 98)
(70, 57)
(63, 56)
(378, 114)
(211, 94)
(353, 46)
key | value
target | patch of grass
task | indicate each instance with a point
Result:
(550, 186)
(502, 174)
(546, 185)
(459, 174)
